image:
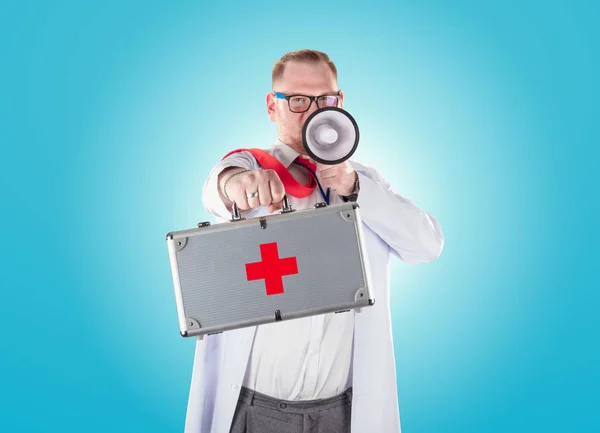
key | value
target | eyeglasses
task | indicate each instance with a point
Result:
(301, 103)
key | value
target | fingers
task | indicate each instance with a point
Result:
(253, 199)
(275, 206)
(264, 194)
(339, 177)
(328, 173)
(257, 188)
(241, 201)
(238, 188)
(277, 192)
(276, 188)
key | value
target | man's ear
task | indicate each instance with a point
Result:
(271, 106)
(341, 99)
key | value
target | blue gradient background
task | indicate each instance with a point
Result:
(486, 116)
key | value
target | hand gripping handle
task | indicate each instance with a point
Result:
(236, 216)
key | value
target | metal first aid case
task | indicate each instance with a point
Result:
(283, 266)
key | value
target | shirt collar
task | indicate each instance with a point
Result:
(284, 153)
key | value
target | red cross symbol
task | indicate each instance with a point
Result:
(271, 268)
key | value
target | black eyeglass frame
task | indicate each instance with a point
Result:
(280, 95)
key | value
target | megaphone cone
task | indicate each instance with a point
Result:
(330, 135)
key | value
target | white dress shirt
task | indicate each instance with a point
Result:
(301, 359)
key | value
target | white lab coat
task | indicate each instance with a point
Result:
(393, 225)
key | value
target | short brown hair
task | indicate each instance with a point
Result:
(301, 56)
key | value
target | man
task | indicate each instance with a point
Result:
(328, 373)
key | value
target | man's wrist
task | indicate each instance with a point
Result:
(353, 196)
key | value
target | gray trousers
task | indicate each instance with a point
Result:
(259, 413)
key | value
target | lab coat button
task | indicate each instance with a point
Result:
(234, 387)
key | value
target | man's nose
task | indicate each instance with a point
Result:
(313, 107)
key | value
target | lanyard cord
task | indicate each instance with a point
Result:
(325, 196)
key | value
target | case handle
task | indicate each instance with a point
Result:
(236, 216)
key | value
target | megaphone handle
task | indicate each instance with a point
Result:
(235, 212)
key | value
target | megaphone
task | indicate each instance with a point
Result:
(330, 135)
